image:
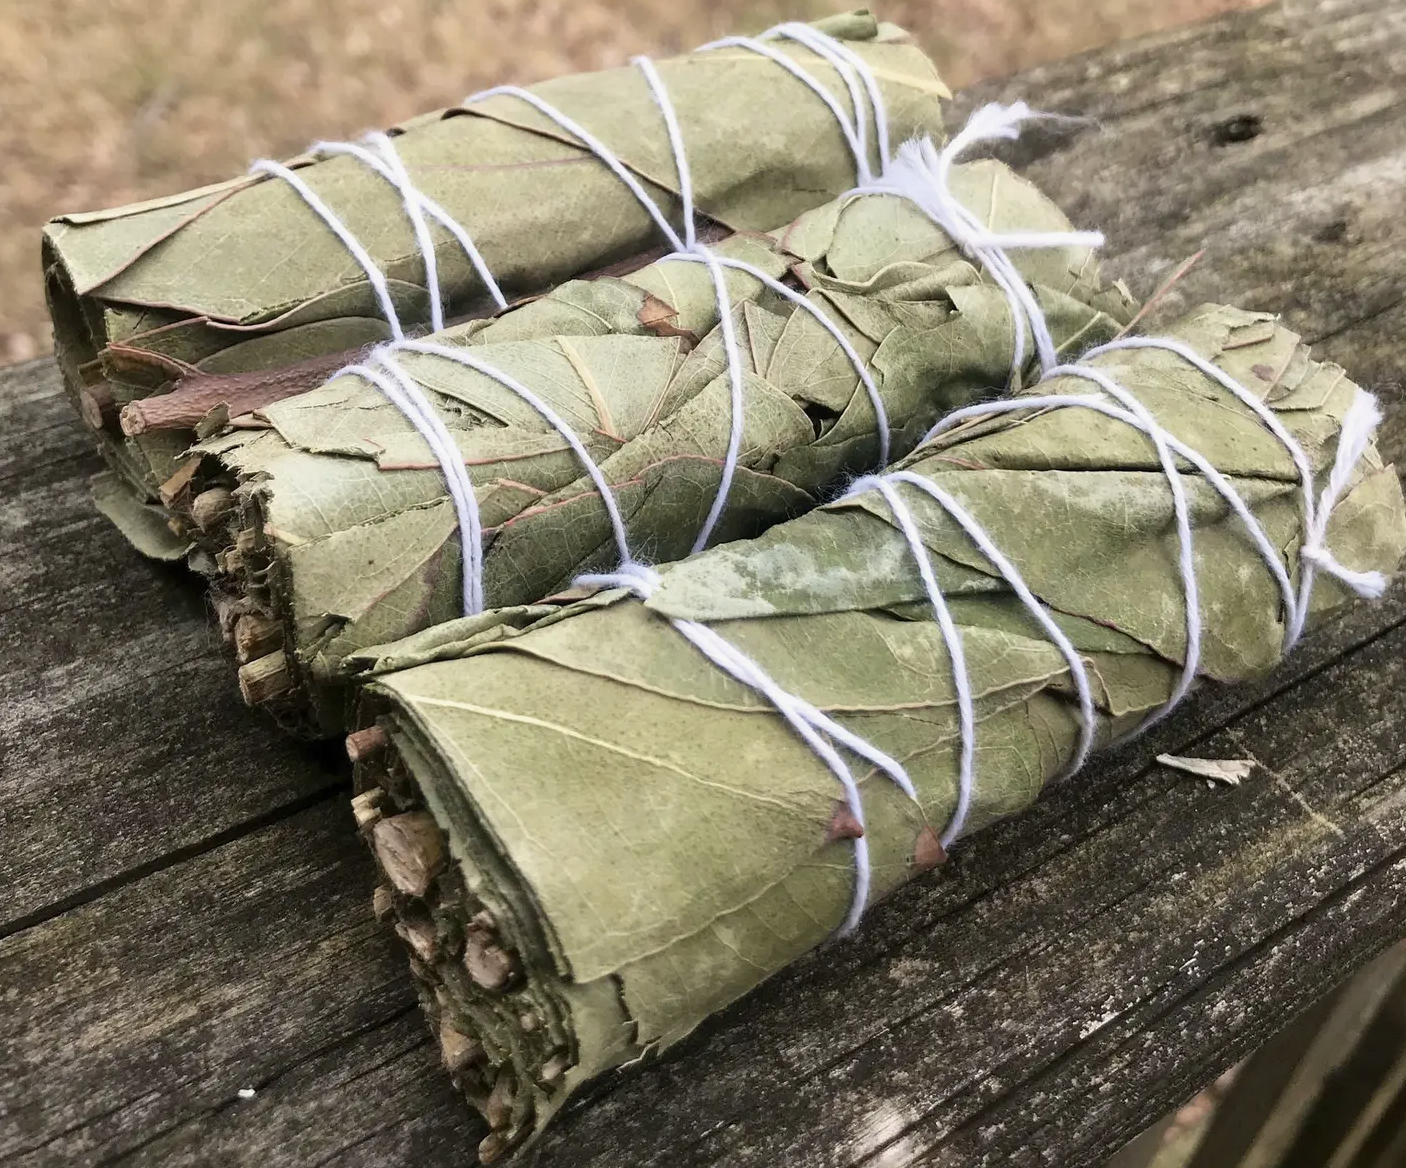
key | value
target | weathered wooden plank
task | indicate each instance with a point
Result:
(1071, 975)
(123, 738)
(162, 999)
(1271, 138)
(257, 965)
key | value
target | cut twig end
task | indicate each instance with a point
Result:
(265, 678)
(410, 850)
(456, 1048)
(490, 966)
(366, 743)
(97, 407)
(843, 825)
(255, 636)
(928, 852)
(366, 807)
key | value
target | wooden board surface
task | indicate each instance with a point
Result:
(185, 907)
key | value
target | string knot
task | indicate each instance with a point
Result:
(921, 173)
(1369, 585)
(641, 580)
(862, 485)
(1359, 425)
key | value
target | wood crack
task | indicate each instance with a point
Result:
(1359, 320)
(171, 859)
(341, 1042)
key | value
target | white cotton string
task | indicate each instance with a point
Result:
(1358, 427)
(696, 252)
(595, 146)
(342, 232)
(407, 397)
(411, 401)
(1186, 553)
(465, 357)
(417, 205)
(820, 45)
(922, 174)
(419, 411)
(1214, 478)
(813, 725)
(1359, 424)
(387, 163)
(700, 253)
(850, 129)
(688, 247)
(1357, 432)
(735, 382)
(816, 728)
(401, 389)
(390, 167)
(956, 654)
(806, 719)
(1166, 445)
(834, 51)
(964, 519)
(881, 418)
(674, 132)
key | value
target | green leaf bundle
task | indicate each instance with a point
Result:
(332, 528)
(197, 291)
(592, 838)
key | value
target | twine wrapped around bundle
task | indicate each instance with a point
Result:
(601, 820)
(332, 526)
(225, 298)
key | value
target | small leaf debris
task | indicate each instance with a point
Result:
(1229, 771)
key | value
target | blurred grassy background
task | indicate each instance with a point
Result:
(106, 101)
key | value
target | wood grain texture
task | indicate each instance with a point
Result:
(123, 738)
(186, 909)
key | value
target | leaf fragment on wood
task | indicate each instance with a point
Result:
(1230, 771)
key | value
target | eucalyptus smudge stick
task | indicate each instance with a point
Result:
(592, 837)
(332, 519)
(243, 277)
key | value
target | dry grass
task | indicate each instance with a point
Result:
(106, 101)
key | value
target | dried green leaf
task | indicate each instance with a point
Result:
(661, 829)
